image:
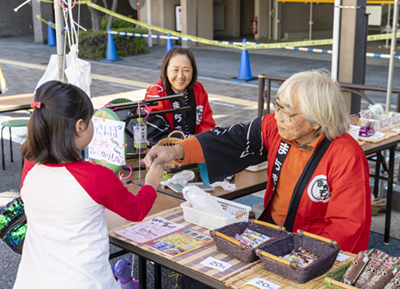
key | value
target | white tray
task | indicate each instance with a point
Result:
(211, 221)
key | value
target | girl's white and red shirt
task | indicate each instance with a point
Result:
(66, 244)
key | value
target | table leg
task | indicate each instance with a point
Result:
(157, 276)
(377, 174)
(389, 195)
(142, 273)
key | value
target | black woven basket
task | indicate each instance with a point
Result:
(326, 252)
(239, 251)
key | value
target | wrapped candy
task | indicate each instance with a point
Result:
(355, 268)
(380, 278)
(394, 283)
(372, 267)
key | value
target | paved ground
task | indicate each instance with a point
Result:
(23, 64)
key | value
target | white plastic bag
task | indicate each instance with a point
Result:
(203, 201)
(227, 186)
(77, 71)
(183, 177)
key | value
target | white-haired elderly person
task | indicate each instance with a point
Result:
(317, 173)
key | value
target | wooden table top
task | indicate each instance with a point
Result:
(235, 277)
(246, 182)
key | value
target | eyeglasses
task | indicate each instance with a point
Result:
(286, 116)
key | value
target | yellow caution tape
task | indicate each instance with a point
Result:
(332, 1)
(77, 1)
(194, 38)
(47, 22)
(381, 36)
(211, 42)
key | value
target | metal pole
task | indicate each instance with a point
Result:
(392, 53)
(270, 16)
(310, 23)
(388, 24)
(276, 28)
(58, 15)
(149, 21)
(335, 45)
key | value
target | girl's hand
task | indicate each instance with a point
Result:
(164, 154)
(154, 175)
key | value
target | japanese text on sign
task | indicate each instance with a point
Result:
(108, 141)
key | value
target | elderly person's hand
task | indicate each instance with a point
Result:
(164, 154)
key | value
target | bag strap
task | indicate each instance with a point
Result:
(303, 182)
(301, 185)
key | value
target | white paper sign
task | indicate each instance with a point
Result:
(216, 264)
(341, 257)
(150, 230)
(108, 141)
(262, 283)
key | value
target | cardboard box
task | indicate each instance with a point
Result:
(384, 122)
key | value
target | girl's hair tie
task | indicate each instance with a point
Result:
(36, 104)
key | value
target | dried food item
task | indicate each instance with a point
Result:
(355, 268)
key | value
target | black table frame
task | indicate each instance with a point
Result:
(378, 148)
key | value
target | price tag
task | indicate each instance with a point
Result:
(341, 257)
(216, 264)
(262, 283)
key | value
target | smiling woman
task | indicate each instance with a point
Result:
(179, 75)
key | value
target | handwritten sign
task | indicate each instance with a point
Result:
(262, 283)
(216, 264)
(150, 230)
(108, 141)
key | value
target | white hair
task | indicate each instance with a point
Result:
(319, 99)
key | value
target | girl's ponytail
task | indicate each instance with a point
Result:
(57, 107)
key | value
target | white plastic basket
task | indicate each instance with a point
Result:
(211, 221)
(354, 131)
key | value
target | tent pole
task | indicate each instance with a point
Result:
(336, 38)
(392, 53)
(58, 15)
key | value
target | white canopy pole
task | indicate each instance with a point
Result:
(149, 21)
(336, 34)
(58, 15)
(392, 53)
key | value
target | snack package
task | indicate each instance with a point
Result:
(375, 123)
(251, 238)
(367, 128)
(372, 267)
(376, 108)
(354, 119)
(301, 257)
(384, 121)
(366, 113)
(380, 278)
(394, 283)
(355, 268)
